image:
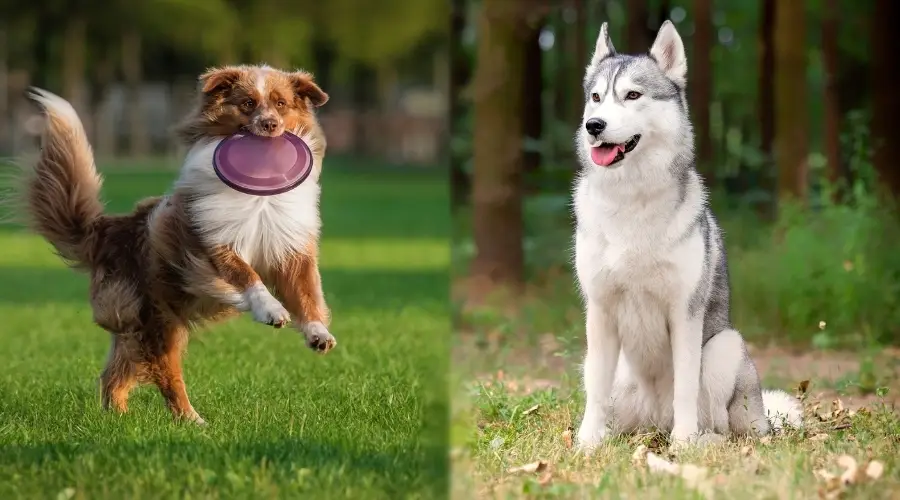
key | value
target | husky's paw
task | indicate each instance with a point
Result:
(317, 337)
(590, 436)
(710, 439)
(680, 440)
(268, 310)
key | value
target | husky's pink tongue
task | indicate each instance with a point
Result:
(605, 154)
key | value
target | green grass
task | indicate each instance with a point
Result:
(496, 429)
(367, 420)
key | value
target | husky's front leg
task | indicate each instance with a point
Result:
(687, 352)
(599, 372)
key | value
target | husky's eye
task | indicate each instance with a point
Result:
(632, 95)
(595, 97)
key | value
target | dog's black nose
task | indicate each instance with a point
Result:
(595, 126)
(269, 124)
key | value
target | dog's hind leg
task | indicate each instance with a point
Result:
(731, 394)
(119, 376)
(746, 412)
(166, 373)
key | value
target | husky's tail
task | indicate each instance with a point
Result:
(782, 408)
(60, 192)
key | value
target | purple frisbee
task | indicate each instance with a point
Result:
(262, 166)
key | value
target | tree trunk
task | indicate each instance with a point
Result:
(386, 83)
(832, 102)
(791, 114)
(132, 70)
(885, 99)
(459, 75)
(701, 87)
(104, 130)
(532, 89)
(767, 76)
(497, 183)
(580, 57)
(362, 90)
(639, 40)
(4, 92)
(766, 104)
(74, 62)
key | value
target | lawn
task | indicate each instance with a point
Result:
(517, 401)
(367, 420)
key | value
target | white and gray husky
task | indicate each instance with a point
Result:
(661, 350)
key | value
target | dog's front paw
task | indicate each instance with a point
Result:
(318, 337)
(681, 439)
(590, 435)
(268, 310)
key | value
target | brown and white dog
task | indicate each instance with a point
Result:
(203, 252)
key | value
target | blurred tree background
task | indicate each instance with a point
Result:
(130, 68)
(792, 105)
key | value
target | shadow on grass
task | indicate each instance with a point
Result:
(398, 472)
(35, 286)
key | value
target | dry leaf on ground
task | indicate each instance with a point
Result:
(531, 468)
(567, 438)
(531, 410)
(835, 485)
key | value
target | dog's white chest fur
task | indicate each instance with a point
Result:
(634, 261)
(262, 230)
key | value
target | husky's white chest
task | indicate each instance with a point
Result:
(633, 262)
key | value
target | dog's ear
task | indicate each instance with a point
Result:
(603, 50)
(305, 87)
(218, 79)
(668, 52)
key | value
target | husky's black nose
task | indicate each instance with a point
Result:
(595, 126)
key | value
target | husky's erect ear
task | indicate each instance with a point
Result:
(668, 51)
(603, 50)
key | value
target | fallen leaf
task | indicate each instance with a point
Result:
(639, 457)
(567, 437)
(850, 469)
(819, 437)
(824, 474)
(694, 475)
(531, 410)
(531, 468)
(545, 478)
(803, 387)
(658, 464)
(747, 451)
(66, 494)
(875, 469)
(765, 439)
(837, 407)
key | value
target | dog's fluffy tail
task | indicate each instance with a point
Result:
(60, 194)
(782, 409)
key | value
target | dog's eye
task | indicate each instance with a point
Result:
(632, 95)
(595, 97)
(248, 104)
(281, 103)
